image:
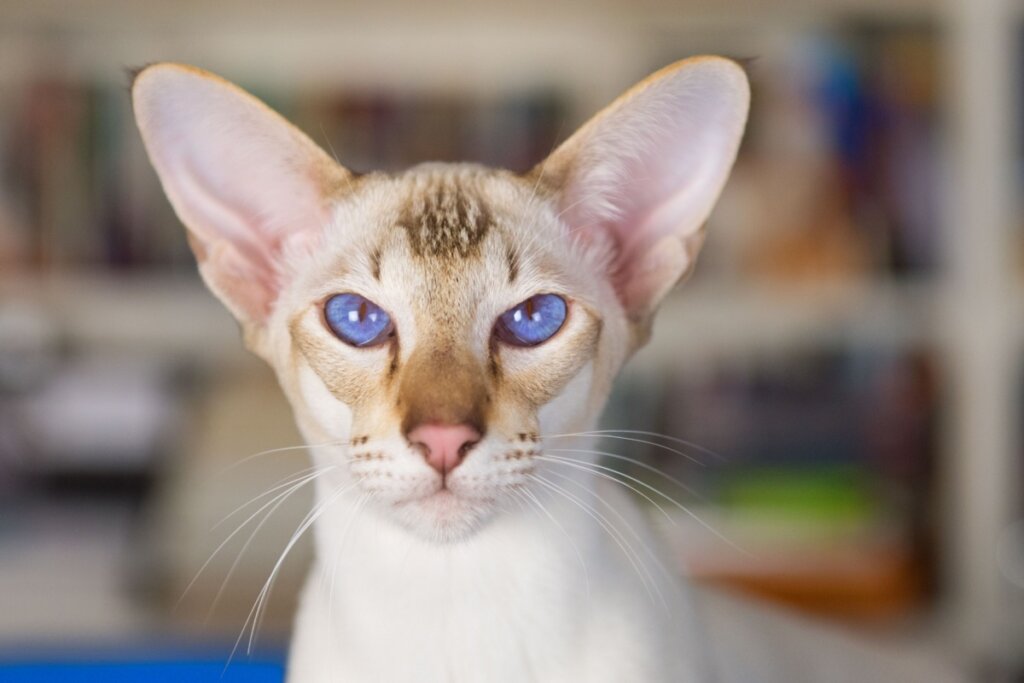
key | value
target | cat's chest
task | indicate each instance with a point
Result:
(522, 603)
(513, 577)
(496, 635)
(440, 618)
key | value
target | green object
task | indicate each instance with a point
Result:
(824, 495)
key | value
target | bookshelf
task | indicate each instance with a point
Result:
(585, 54)
(984, 363)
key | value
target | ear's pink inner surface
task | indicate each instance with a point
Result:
(444, 445)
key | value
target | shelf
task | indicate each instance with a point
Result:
(595, 49)
(709, 319)
(96, 15)
(176, 315)
(169, 315)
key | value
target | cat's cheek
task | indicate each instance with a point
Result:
(320, 415)
(570, 410)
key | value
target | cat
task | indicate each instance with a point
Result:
(447, 337)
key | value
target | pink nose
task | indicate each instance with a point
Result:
(444, 446)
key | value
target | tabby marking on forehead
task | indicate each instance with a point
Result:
(445, 217)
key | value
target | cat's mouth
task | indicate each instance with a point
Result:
(442, 515)
(445, 507)
(444, 498)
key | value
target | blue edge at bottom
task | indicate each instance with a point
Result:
(142, 672)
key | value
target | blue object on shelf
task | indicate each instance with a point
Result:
(141, 672)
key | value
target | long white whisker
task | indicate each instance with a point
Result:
(530, 496)
(284, 449)
(609, 528)
(643, 432)
(267, 587)
(241, 526)
(670, 578)
(629, 527)
(594, 469)
(231, 570)
(638, 463)
(254, 612)
(277, 486)
(357, 509)
(634, 440)
(673, 501)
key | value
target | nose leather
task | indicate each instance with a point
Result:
(444, 446)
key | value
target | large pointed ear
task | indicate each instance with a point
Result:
(644, 174)
(246, 183)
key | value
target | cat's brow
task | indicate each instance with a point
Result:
(512, 260)
(445, 219)
(375, 257)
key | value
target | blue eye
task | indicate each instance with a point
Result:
(357, 320)
(533, 321)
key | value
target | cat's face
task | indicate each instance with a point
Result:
(443, 251)
(432, 327)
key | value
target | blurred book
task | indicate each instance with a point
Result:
(76, 190)
(839, 174)
(806, 477)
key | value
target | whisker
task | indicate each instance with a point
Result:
(277, 486)
(635, 461)
(643, 432)
(630, 439)
(629, 527)
(357, 509)
(241, 526)
(284, 449)
(231, 570)
(254, 613)
(673, 501)
(590, 468)
(609, 528)
(529, 497)
(268, 586)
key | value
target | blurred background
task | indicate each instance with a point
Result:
(846, 363)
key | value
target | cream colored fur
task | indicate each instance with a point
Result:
(517, 568)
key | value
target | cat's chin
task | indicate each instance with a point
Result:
(444, 516)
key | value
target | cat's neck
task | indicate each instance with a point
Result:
(559, 563)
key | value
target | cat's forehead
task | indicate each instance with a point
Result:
(444, 212)
(443, 237)
(453, 235)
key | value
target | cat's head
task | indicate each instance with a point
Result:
(436, 324)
